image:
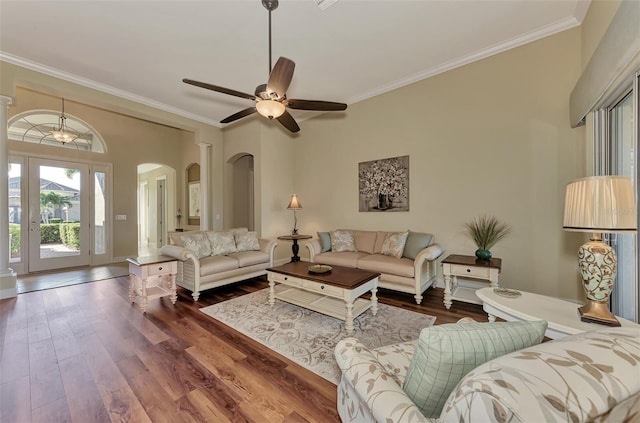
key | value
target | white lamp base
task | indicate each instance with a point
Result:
(598, 265)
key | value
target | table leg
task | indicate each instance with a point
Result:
(174, 295)
(144, 301)
(447, 291)
(272, 293)
(132, 288)
(374, 301)
(348, 320)
(491, 317)
(295, 248)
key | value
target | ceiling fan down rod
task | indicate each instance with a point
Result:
(270, 5)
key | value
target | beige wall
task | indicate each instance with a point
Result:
(490, 137)
(131, 140)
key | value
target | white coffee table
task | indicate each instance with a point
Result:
(562, 315)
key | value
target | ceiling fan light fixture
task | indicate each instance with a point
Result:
(270, 108)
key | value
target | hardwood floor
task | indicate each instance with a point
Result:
(82, 353)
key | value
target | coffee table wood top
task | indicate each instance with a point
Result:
(340, 276)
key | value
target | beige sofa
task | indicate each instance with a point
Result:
(588, 377)
(205, 263)
(413, 272)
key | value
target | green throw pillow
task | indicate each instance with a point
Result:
(446, 353)
(325, 241)
(416, 242)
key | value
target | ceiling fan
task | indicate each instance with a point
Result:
(271, 98)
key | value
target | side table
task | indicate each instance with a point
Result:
(468, 267)
(294, 247)
(152, 277)
(562, 315)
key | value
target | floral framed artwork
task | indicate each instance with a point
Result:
(384, 185)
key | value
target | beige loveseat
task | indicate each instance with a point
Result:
(413, 269)
(588, 377)
(208, 259)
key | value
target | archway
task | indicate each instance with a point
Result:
(243, 191)
(157, 206)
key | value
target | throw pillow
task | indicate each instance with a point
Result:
(247, 241)
(446, 353)
(198, 243)
(325, 241)
(342, 241)
(416, 242)
(222, 243)
(393, 244)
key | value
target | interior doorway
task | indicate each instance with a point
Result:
(156, 204)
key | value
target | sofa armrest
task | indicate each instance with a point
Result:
(179, 253)
(432, 252)
(374, 386)
(268, 246)
(314, 247)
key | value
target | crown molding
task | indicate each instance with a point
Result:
(79, 80)
(551, 29)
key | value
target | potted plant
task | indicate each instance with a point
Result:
(486, 231)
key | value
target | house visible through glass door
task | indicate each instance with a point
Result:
(58, 222)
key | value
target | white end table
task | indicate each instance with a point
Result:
(562, 315)
(152, 277)
(476, 273)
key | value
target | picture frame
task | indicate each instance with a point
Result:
(194, 200)
(384, 185)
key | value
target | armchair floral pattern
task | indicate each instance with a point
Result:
(592, 376)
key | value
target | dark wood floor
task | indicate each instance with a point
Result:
(83, 354)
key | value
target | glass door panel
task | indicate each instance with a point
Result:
(15, 213)
(58, 214)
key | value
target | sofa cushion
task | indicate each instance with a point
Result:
(585, 377)
(325, 241)
(345, 258)
(342, 241)
(393, 244)
(365, 241)
(222, 243)
(416, 242)
(387, 264)
(380, 237)
(176, 237)
(446, 353)
(249, 258)
(217, 264)
(247, 241)
(198, 243)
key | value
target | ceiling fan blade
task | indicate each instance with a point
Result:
(219, 89)
(288, 122)
(239, 115)
(325, 106)
(280, 77)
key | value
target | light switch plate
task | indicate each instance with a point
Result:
(121, 217)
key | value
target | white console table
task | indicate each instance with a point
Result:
(562, 315)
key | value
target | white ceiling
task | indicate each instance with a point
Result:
(351, 51)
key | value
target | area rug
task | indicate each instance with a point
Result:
(309, 338)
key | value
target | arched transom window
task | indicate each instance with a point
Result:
(40, 126)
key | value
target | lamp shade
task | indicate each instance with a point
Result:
(294, 203)
(600, 204)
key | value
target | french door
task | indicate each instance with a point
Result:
(58, 214)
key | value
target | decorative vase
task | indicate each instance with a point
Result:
(383, 202)
(483, 254)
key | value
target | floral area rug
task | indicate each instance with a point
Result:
(309, 338)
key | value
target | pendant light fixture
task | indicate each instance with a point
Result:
(63, 134)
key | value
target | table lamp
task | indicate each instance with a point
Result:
(294, 204)
(599, 204)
